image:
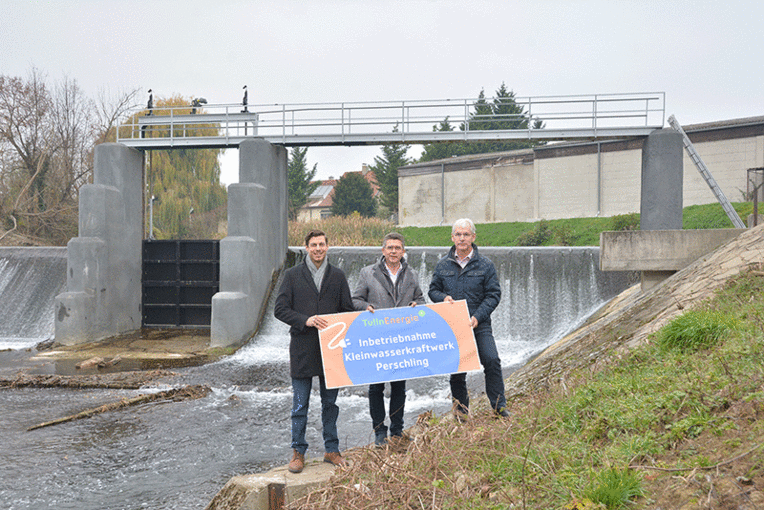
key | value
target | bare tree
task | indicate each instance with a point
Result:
(47, 140)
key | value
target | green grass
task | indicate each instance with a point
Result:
(570, 232)
(655, 428)
(357, 231)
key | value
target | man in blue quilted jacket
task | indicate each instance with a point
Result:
(465, 274)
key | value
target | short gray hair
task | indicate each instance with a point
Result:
(462, 223)
(393, 235)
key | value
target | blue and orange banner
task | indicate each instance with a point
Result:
(398, 343)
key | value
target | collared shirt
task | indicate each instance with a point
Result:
(317, 272)
(393, 277)
(463, 262)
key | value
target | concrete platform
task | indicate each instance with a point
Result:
(271, 490)
(146, 349)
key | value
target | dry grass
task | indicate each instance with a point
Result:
(353, 230)
(651, 429)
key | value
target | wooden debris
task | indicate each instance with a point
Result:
(118, 381)
(98, 362)
(174, 395)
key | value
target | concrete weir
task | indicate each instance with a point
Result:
(104, 263)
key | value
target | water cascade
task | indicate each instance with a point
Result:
(177, 456)
(30, 279)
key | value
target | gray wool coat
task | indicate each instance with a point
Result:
(375, 287)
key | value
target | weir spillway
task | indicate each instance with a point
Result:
(178, 456)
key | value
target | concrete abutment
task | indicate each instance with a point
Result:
(104, 263)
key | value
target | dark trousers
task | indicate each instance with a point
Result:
(377, 408)
(494, 380)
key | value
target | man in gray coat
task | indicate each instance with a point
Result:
(389, 283)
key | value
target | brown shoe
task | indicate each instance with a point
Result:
(334, 458)
(297, 463)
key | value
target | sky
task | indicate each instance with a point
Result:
(707, 56)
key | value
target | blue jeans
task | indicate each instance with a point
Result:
(329, 412)
(494, 380)
(377, 408)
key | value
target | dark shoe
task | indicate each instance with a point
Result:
(380, 441)
(502, 413)
(334, 458)
(297, 463)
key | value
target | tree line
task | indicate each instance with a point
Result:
(48, 132)
(352, 193)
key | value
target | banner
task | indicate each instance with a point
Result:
(397, 343)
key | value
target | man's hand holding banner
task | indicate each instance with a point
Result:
(397, 343)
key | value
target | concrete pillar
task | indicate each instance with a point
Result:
(661, 193)
(256, 244)
(103, 296)
(662, 179)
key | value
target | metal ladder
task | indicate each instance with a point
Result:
(703, 169)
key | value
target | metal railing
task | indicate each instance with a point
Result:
(376, 122)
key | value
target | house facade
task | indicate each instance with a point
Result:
(319, 205)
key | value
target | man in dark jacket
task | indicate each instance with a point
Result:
(465, 274)
(389, 283)
(309, 290)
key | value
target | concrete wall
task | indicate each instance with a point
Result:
(103, 290)
(481, 188)
(659, 250)
(256, 244)
(563, 180)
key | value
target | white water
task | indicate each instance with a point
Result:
(177, 456)
(30, 279)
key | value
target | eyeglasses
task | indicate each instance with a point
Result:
(462, 234)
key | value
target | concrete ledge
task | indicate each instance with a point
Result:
(659, 250)
(252, 492)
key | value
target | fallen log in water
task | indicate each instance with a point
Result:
(114, 381)
(175, 395)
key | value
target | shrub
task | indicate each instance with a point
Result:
(540, 234)
(625, 222)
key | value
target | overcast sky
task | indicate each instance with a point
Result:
(707, 56)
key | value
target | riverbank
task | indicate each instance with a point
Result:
(604, 413)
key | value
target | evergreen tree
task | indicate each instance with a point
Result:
(501, 113)
(386, 171)
(442, 150)
(300, 180)
(352, 194)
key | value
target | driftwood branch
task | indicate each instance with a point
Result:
(118, 380)
(175, 395)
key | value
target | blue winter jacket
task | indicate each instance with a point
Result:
(477, 283)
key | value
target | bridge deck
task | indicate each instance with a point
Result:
(374, 123)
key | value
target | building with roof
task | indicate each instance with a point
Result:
(319, 204)
(572, 180)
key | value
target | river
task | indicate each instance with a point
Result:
(179, 455)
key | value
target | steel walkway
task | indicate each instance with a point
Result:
(581, 117)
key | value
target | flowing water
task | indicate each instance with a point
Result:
(178, 455)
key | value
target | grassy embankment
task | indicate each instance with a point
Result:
(357, 231)
(673, 424)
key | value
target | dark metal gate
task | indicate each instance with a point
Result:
(179, 280)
